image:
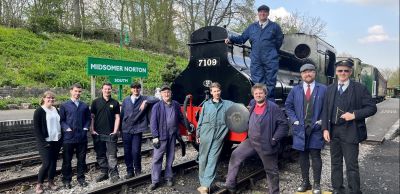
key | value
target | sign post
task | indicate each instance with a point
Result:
(119, 71)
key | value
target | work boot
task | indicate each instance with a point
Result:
(67, 185)
(102, 177)
(222, 185)
(170, 182)
(83, 183)
(153, 186)
(203, 190)
(317, 188)
(39, 188)
(129, 175)
(305, 185)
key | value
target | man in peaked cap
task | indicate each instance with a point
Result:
(134, 123)
(304, 107)
(265, 38)
(346, 105)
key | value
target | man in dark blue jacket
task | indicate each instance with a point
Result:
(164, 123)
(134, 123)
(265, 38)
(267, 126)
(75, 122)
(304, 107)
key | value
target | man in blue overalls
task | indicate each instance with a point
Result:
(265, 38)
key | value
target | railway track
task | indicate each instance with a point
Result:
(29, 179)
(33, 158)
(125, 185)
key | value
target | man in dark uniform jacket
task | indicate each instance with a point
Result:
(346, 105)
(104, 128)
(134, 123)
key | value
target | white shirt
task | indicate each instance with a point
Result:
(312, 86)
(344, 87)
(53, 124)
(134, 98)
(76, 102)
(263, 24)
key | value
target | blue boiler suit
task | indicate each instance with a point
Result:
(265, 44)
(211, 131)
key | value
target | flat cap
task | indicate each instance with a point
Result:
(263, 7)
(307, 66)
(165, 87)
(347, 62)
(136, 85)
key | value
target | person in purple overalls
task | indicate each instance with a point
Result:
(165, 118)
(267, 126)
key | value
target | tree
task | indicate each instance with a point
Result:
(170, 72)
(394, 79)
(298, 22)
(45, 15)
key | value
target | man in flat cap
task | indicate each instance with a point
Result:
(134, 123)
(304, 107)
(165, 118)
(265, 38)
(346, 105)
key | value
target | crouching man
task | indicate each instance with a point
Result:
(267, 126)
(165, 118)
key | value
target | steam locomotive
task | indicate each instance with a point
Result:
(211, 60)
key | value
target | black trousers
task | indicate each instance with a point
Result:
(68, 152)
(132, 152)
(106, 155)
(348, 151)
(49, 156)
(316, 164)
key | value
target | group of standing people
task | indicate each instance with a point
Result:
(335, 114)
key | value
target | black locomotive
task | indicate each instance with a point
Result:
(211, 60)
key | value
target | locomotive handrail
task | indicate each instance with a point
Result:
(206, 42)
(185, 120)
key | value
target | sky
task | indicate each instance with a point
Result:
(365, 29)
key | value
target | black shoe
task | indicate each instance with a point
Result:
(316, 188)
(153, 186)
(305, 185)
(67, 185)
(114, 179)
(129, 175)
(83, 183)
(138, 173)
(102, 177)
(222, 185)
(170, 183)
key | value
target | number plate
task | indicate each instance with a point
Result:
(208, 62)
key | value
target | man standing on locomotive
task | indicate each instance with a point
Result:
(165, 118)
(265, 38)
(346, 105)
(267, 126)
(304, 107)
(211, 134)
(134, 123)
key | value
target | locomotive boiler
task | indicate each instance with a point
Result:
(211, 60)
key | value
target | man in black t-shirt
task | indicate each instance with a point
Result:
(104, 129)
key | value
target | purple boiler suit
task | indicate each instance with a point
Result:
(164, 125)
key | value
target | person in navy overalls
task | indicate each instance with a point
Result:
(266, 38)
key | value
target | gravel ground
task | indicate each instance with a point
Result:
(290, 175)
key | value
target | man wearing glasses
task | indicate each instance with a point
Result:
(346, 105)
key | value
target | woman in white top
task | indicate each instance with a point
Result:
(47, 129)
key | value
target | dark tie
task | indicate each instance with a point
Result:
(308, 92)
(261, 26)
(341, 89)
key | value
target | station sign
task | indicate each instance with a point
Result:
(120, 68)
(120, 80)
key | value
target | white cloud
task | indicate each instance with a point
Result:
(280, 12)
(376, 33)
